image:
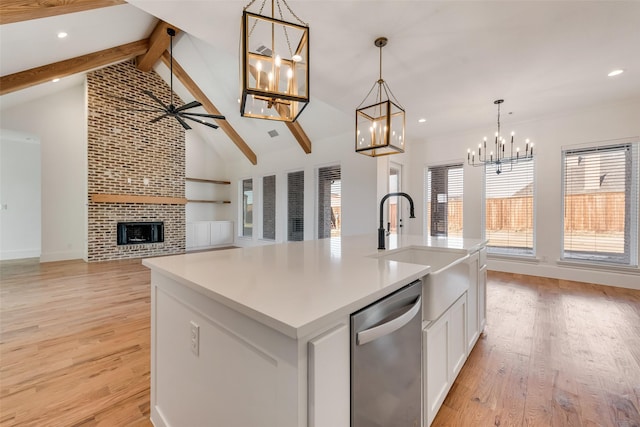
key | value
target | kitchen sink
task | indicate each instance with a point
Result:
(449, 278)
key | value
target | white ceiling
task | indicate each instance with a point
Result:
(446, 61)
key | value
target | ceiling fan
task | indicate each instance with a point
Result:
(179, 113)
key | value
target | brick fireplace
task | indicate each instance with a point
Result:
(135, 168)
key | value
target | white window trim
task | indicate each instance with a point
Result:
(635, 187)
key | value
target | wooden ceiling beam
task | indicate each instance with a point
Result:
(158, 42)
(300, 135)
(23, 10)
(197, 93)
(24, 79)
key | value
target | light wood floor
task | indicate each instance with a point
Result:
(74, 344)
(74, 351)
(554, 353)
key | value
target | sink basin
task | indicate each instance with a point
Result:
(449, 278)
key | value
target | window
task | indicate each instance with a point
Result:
(509, 210)
(247, 207)
(329, 201)
(600, 196)
(443, 193)
(269, 207)
(295, 206)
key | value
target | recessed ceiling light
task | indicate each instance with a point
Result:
(615, 73)
(62, 35)
(422, 120)
(56, 80)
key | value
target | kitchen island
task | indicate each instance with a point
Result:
(259, 336)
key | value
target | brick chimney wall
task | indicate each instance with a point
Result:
(127, 155)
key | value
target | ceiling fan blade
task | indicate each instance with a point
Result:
(202, 122)
(158, 118)
(182, 122)
(155, 98)
(192, 104)
(211, 116)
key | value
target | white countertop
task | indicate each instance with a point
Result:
(297, 287)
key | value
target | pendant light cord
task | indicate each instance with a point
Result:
(499, 135)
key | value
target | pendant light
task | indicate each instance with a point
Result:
(380, 123)
(275, 64)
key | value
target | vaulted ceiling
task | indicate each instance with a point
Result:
(445, 62)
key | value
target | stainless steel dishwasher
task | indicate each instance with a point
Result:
(386, 355)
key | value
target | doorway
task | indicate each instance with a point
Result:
(20, 196)
(443, 193)
(394, 208)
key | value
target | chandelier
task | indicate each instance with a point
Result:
(380, 124)
(497, 156)
(275, 64)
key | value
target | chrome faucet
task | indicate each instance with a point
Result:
(381, 232)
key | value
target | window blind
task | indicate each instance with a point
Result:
(600, 199)
(269, 207)
(329, 201)
(247, 207)
(443, 193)
(509, 209)
(295, 206)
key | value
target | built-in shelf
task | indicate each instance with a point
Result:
(208, 181)
(211, 181)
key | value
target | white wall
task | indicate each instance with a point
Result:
(203, 161)
(59, 122)
(20, 223)
(358, 174)
(550, 134)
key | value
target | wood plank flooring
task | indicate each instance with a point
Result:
(554, 353)
(74, 344)
(74, 351)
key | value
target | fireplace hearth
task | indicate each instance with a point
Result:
(137, 233)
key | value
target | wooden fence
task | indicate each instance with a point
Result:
(599, 212)
(606, 213)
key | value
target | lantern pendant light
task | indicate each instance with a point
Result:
(380, 124)
(275, 64)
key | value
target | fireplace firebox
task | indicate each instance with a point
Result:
(135, 233)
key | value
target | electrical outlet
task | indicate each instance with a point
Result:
(195, 338)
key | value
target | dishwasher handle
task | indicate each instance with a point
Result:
(393, 325)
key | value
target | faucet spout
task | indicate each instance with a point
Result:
(381, 233)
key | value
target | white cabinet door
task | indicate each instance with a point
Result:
(444, 351)
(226, 231)
(329, 379)
(473, 327)
(436, 353)
(221, 233)
(457, 337)
(216, 232)
(482, 297)
(202, 230)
